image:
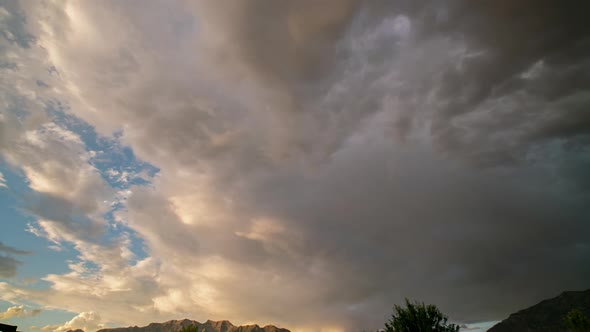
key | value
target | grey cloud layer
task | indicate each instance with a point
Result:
(8, 265)
(336, 158)
(10, 250)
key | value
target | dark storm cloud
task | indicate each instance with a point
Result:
(498, 85)
(524, 65)
(528, 71)
(425, 229)
(281, 43)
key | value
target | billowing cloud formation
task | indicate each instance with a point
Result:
(86, 321)
(18, 312)
(318, 163)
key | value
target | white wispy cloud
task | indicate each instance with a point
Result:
(2, 181)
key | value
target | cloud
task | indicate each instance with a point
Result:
(18, 312)
(333, 161)
(275, 45)
(2, 181)
(69, 196)
(10, 250)
(86, 321)
(8, 265)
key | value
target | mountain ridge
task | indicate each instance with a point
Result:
(547, 315)
(208, 326)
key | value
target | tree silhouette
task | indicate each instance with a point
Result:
(575, 321)
(418, 317)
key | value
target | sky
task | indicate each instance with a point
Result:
(301, 163)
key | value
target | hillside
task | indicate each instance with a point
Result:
(546, 316)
